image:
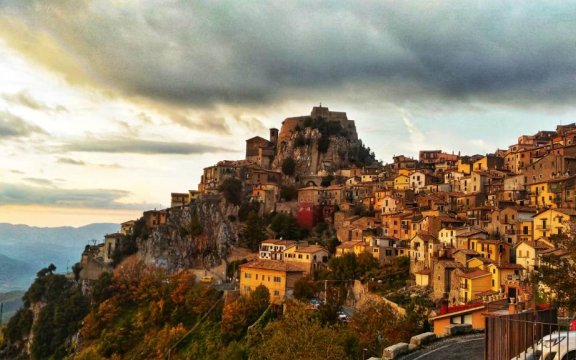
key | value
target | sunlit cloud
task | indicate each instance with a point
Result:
(20, 194)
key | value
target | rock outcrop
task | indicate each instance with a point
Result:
(194, 236)
(320, 143)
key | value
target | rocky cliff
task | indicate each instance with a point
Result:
(194, 236)
(320, 143)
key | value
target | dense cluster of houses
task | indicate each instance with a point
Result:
(474, 227)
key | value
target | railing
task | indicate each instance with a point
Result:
(527, 335)
(542, 227)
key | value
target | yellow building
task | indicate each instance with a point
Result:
(279, 277)
(496, 250)
(552, 222)
(307, 257)
(404, 172)
(473, 283)
(464, 167)
(503, 273)
(527, 252)
(471, 314)
(422, 277)
(402, 182)
(541, 195)
(351, 247)
(524, 230)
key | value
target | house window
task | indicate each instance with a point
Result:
(276, 293)
(247, 275)
(277, 279)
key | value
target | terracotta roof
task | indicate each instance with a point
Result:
(310, 249)
(470, 232)
(467, 252)
(477, 273)
(351, 244)
(535, 244)
(271, 265)
(509, 266)
(279, 242)
(114, 235)
(427, 237)
(483, 260)
(448, 264)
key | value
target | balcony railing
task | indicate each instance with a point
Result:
(542, 227)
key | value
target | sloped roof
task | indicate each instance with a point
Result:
(271, 265)
(477, 273)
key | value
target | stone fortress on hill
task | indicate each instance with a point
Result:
(281, 144)
(473, 226)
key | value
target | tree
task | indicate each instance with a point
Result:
(231, 188)
(376, 325)
(253, 233)
(297, 336)
(557, 271)
(344, 267)
(332, 244)
(327, 180)
(288, 193)
(257, 302)
(246, 208)
(304, 289)
(286, 226)
(288, 166)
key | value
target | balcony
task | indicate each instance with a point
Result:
(542, 227)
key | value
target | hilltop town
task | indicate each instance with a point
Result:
(473, 226)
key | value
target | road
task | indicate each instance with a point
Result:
(461, 348)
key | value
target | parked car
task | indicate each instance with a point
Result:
(559, 345)
(342, 316)
(315, 303)
(207, 279)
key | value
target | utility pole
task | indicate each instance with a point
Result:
(1, 311)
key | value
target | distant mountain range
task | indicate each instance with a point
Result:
(24, 250)
(12, 302)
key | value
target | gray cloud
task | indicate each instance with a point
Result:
(39, 181)
(18, 194)
(204, 53)
(24, 98)
(70, 161)
(12, 126)
(137, 146)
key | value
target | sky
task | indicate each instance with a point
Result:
(108, 106)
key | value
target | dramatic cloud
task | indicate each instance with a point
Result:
(24, 98)
(136, 146)
(18, 194)
(204, 53)
(12, 126)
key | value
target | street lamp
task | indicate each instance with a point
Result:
(364, 353)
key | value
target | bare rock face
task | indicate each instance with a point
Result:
(195, 236)
(325, 141)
